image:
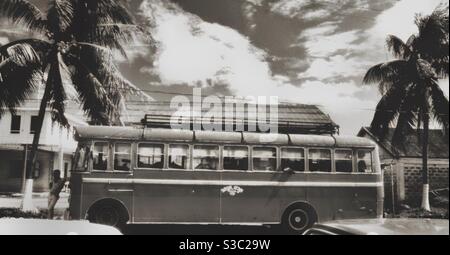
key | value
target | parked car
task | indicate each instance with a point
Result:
(382, 227)
(49, 227)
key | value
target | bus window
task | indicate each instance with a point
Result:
(319, 160)
(122, 157)
(344, 161)
(81, 157)
(264, 159)
(151, 156)
(179, 157)
(365, 161)
(235, 158)
(206, 157)
(101, 155)
(293, 159)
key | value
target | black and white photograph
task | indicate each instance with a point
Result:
(227, 118)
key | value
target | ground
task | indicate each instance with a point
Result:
(10, 204)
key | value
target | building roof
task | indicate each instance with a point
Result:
(411, 147)
(292, 118)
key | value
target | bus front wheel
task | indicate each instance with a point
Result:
(298, 218)
(108, 213)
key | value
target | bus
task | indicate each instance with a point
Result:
(126, 175)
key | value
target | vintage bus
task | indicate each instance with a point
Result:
(131, 175)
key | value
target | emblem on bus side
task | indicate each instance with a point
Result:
(232, 190)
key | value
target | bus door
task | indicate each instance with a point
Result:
(248, 196)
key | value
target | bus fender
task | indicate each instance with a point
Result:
(110, 201)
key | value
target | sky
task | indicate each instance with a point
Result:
(303, 51)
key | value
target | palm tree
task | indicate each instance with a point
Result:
(75, 40)
(411, 96)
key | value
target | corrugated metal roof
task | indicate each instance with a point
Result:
(292, 118)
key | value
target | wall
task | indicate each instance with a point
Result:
(9, 184)
(412, 170)
(51, 135)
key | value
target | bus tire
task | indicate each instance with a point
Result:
(108, 212)
(298, 218)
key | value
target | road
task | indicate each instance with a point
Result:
(200, 230)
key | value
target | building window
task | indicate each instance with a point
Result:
(265, 159)
(122, 157)
(235, 158)
(293, 159)
(319, 160)
(15, 124)
(179, 157)
(344, 161)
(206, 157)
(16, 169)
(151, 156)
(101, 155)
(365, 161)
(34, 124)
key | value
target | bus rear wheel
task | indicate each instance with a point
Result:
(107, 214)
(299, 218)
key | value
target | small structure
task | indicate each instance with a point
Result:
(403, 164)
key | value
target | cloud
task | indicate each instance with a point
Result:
(399, 20)
(191, 50)
(4, 40)
(311, 10)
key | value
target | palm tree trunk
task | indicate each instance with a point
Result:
(425, 179)
(27, 203)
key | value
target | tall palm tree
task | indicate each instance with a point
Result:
(75, 40)
(411, 96)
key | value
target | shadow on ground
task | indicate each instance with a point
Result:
(200, 230)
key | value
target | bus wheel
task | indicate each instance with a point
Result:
(109, 214)
(299, 218)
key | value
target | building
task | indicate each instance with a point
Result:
(403, 164)
(16, 136)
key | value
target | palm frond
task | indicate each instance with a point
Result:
(17, 83)
(398, 48)
(409, 118)
(93, 96)
(388, 110)
(432, 42)
(35, 51)
(107, 23)
(23, 55)
(439, 106)
(60, 16)
(425, 70)
(23, 12)
(390, 72)
(57, 92)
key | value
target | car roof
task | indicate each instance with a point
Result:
(387, 227)
(51, 227)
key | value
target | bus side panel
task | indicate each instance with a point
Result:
(176, 203)
(253, 205)
(354, 203)
(176, 197)
(254, 202)
(75, 196)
